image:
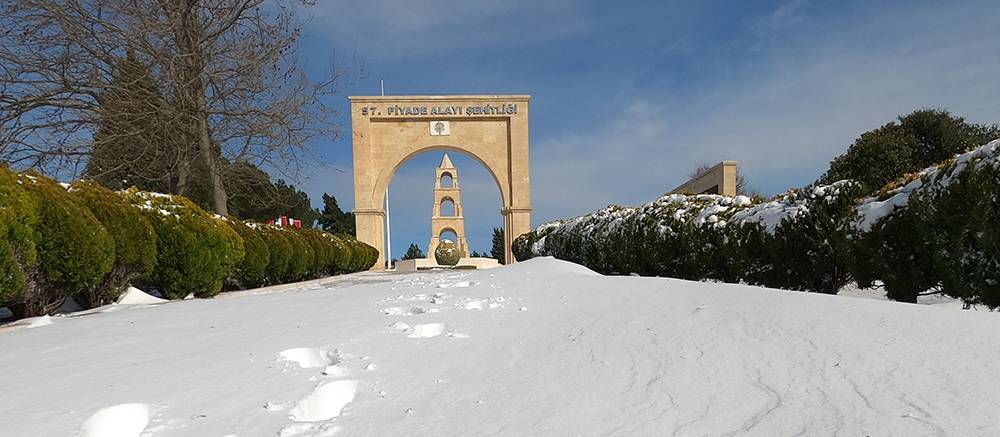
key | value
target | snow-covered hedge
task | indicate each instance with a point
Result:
(795, 241)
(132, 238)
(195, 251)
(936, 230)
(87, 242)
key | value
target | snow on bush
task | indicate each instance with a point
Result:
(708, 236)
(132, 237)
(930, 180)
(936, 231)
(195, 250)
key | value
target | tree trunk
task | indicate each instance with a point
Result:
(183, 172)
(220, 200)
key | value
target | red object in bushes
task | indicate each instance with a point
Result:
(286, 222)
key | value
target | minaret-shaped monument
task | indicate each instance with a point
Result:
(447, 192)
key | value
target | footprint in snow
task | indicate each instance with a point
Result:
(311, 430)
(397, 311)
(310, 357)
(459, 284)
(325, 402)
(481, 304)
(475, 305)
(122, 420)
(427, 330)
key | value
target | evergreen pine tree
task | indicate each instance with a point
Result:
(413, 252)
(497, 250)
(334, 220)
(136, 141)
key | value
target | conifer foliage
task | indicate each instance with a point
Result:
(497, 249)
(414, 252)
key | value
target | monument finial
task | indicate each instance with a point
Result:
(446, 162)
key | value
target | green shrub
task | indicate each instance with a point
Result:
(341, 254)
(195, 250)
(914, 141)
(252, 271)
(936, 232)
(355, 258)
(322, 250)
(74, 250)
(301, 259)
(970, 222)
(281, 253)
(371, 256)
(18, 256)
(799, 240)
(811, 249)
(131, 235)
(361, 256)
(896, 256)
(524, 246)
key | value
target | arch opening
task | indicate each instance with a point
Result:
(448, 208)
(446, 180)
(413, 201)
(448, 234)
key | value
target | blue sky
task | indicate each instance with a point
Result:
(627, 97)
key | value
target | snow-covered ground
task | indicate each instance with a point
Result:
(543, 347)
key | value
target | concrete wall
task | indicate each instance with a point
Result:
(720, 179)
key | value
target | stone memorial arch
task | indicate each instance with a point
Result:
(389, 130)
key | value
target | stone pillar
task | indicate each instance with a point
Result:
(517, 221)
(371, 230)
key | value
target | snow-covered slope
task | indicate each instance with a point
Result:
(539, 348)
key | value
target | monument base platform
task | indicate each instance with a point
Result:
(412, 265)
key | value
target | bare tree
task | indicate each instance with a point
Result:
(227, 69)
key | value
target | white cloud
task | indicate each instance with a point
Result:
(786, 15)
(401, 28)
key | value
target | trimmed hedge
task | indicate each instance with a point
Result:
(74, 250)
(131, 235)
(90, 243)
(252, 271)
(362, 257)
(302, 256)
(935, 231)
(798, 241)
(281, 253)
(196, 251)
(341, 260)
(18, 255)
